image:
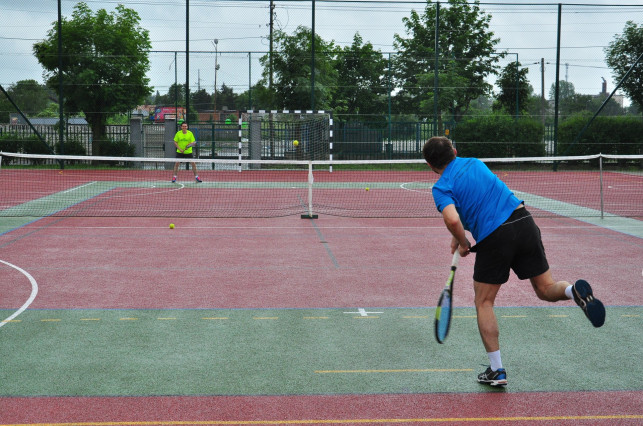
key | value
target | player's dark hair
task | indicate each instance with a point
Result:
(438, 151)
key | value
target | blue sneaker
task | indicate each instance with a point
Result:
(593, 308)
(174, 179)
(197, 179)
(493, 378)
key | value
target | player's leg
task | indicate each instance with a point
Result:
(196, 174)
(485, 297)
(532, 263)
(176, 169)
(547, 289)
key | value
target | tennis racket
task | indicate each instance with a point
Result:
(443, 311)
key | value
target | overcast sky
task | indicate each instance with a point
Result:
(525, 28)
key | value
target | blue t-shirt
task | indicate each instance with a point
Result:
(482, 200)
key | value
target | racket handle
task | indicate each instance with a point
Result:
(456, 258)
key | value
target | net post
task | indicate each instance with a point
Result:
(600, 169)
(330, 140)
(311, 179)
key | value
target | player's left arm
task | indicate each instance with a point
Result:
(453, 223)
(192, 140)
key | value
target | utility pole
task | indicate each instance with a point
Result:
(216, 68)
(187, 62)
(312, 62)
(61, 113)
(272, 26)
(542, 89)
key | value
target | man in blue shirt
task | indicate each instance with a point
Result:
(470, 197)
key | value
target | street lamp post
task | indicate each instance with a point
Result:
(216, 68)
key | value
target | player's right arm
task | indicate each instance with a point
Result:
(453, 223)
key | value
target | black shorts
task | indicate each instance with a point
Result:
(517, 245)
(183, 155)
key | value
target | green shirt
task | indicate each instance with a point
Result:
(183, 140)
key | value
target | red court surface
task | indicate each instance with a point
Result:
(591, 408)
(139, 263)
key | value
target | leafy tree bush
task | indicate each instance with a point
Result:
(9, 142)
(622, 54)
(606, 135)
(107, 72)
(117, 148)
(466, 46)
(499, 135)
(71, 147)
(33, 145)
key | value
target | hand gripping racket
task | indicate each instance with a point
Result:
(443, 311)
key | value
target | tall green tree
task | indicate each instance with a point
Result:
(226, 97)
(175, 96)
(291, 61)
(569, 102)
(466, 58)
(362, 84)
(622, 53)
(104, 64)
(513, 80)
(566, 91)
(30, 96)
(201, 100)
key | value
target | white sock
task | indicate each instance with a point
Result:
(568, 292)
(495, 360)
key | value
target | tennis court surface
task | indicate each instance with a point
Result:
(114, 318)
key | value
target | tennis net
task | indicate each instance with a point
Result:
(37, 186)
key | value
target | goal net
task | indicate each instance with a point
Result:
(286, 135)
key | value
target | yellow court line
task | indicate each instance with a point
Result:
(346, 421)
(407, 370)
(307, 318)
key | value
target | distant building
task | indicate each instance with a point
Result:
(619, 99)
(17, 120)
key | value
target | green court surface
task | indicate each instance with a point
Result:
(310, 352)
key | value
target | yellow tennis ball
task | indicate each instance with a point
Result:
(295, 142)
(171, 226)
(367, 188)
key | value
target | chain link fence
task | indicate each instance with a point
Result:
(228, 70)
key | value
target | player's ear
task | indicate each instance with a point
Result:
(455, 152)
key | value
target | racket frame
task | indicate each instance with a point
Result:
(447, 292)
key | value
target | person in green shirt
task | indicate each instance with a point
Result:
(184, 140)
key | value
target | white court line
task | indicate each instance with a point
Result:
(34, 292)
(426, 190)
(78, 187)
